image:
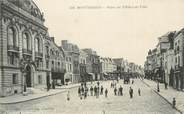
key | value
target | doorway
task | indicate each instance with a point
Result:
(28, 76)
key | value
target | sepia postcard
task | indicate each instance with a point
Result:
(91, 56)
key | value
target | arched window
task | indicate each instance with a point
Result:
(12, 37)
(26, 42)
(36, 45)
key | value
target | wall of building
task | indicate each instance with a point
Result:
(1, 48)
(21, 21)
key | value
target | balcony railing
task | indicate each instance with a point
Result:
(38, 54)
(13, 48)
(26, 51)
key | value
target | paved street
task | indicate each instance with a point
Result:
(148, 103)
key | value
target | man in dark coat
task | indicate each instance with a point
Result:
(91, 91)
(101, 92)
(106, 92)
(115, 91)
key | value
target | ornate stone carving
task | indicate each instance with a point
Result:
(30, 7)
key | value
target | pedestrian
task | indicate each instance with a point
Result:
(101, 92)
(98, 83)
(131, 92)
(95, 91)
(79, 91)
(48, 86)
(91, 91)
(98, 91)
(121, 91)
(68, 96)
(86, 92)
(85, 84)
(132, 81)
(111, 84)
(139, 92)
(106, 92)
(82, 91)
(115, 91)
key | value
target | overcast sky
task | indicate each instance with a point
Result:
(125, 32)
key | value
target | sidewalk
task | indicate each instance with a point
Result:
(36, 95)
(168, 94)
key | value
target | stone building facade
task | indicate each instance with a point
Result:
(93, 64)
(108, 67)
(72, 61)
(82, 61)
(56, 62)
(25, 46)
(179, 62)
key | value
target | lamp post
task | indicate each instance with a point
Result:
(158, 87)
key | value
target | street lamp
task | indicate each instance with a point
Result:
(158, 88)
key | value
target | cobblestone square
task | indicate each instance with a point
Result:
(148, 103)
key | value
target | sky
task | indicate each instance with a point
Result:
(112, 32)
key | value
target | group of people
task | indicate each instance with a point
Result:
(119, 91)
(97, 90)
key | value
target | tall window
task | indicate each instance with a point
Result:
(15, 79)
(26, 42)
(12, 39)
(179, 60)
(37, 45)
(47, 64)
(12, 58)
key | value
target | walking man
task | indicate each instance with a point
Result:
(115, 91)
(139, 92)
(106, 92)
(95, 91)
(91, 90)
(82, 91)
(131, 92)
(121, 91)
(101, 92)
(98, 91)
(98, 83)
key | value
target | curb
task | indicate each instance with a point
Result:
(163, 97)
(44, 96)
(32, 99)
